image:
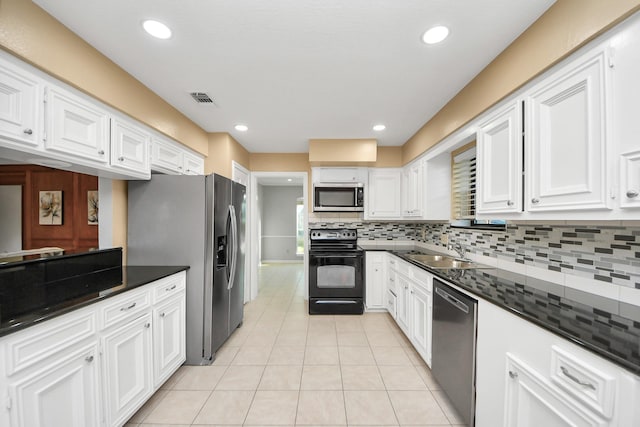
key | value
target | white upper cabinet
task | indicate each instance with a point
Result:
(76, 127)
(413, 189)
(171, 158)
(384, 201)
(130, 147)
(192, 164)
(20, 101)
(566, 137)
(626, 126)
(331, 174)
(499, 162)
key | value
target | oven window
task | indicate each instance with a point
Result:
(336, 276)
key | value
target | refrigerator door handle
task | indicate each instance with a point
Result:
(234, 237)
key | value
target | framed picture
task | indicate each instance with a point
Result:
(92, 207)
(50, 207)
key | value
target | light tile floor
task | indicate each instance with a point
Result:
(284, 367)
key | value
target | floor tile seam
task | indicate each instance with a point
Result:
(153, 407)
(226, 368)
(442, 408)
(201, 408)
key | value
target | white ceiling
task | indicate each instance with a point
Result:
(294, 70)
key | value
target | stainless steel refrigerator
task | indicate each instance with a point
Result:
(197, 221)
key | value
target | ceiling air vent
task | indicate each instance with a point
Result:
(202, 98)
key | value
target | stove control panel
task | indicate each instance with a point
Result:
(333, 234)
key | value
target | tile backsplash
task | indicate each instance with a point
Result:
(606, 253)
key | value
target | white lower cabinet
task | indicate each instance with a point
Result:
(127, 363)
(532, 401)
(421, 307)
(527, 376)
(97, 365)
(375, 278)
(169, 339)
(64, 392)
(410, 303)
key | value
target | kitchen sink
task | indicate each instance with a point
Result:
(443, 262)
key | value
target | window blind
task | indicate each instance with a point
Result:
(463, 182)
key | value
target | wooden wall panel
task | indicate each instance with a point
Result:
(74, 233)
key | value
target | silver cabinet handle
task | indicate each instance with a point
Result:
(162, 314)
(147, 325)
(28, 131)
(101, 152)
(170, 289)
(121, 159)
(513, 374)
(89, 359)
(573, 378)
(632, 194)
(535, 200)
(509, 203)
(128, 308)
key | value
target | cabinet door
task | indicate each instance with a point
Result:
(531, 401)
(375, 278)
(566, 147)
(76, 127)
(403, 303)
(20, 97)
(421, 306)
(338, 175)
(128, 362)
(499, 162)
(64, 394)
(165, 157)
(129, 147)
(192, 164)
(169, 339)
(384, 199)
(412, 190)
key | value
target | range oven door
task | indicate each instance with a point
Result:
(336, 282)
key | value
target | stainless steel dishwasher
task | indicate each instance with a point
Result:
(454, 347)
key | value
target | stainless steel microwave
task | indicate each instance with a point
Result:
(342, 197)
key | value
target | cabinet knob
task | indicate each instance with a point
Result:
(101, 152)
(632, 194)
(147, 325)
(513, 374)
(28, 131)
(535, 200)
(509, 203)
(162, 314)
(121, 159)
(180, 167)
(89, 359)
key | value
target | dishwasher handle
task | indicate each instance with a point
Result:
(453, 300)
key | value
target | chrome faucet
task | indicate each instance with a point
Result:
(459, 249)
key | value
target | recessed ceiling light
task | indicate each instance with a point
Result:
(435, 34)
(242, 128)
(289, 180)
(379, 128)
(156, 29)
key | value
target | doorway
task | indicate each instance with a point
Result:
(278, 222)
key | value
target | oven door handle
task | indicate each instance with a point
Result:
(334, 256)
(334, 302)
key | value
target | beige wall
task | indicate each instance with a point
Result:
(33, 35)
(567, 25)
(279, 162)
(342, 150)
(223, 149)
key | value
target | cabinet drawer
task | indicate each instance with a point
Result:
(168, 287)
(422, 278)
(584, 381)
(41, 342)
(123, 307)
(400, 266)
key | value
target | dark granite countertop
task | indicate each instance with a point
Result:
(589, 324)
(94, 288)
